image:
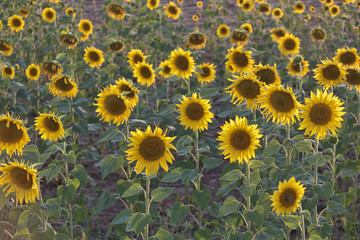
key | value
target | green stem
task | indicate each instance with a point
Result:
(288, 150)
(316, 177)
(254, 115)
(198, 182)
(248, 179)
(68, 205)
(303, 237)
(147, 206)
(188, 85)
(287, 233)
(43, 215)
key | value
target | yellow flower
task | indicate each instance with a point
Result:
(347, 57)
(144, 73)
(135, 56)
(8, 72)
(240, 2)
(208, 74)
(267, 74)
(172, 11)
(16, 23)
(68, 40)
(277, 13)
(329, 73)
(247, 6)
(312, 8)
(334, 10)
(166, 72)
(294, 68)
(289, 45)
(51, 68)
(49, 127)
(49, 15)
(84, 37)
(69, 11)
(199, 4)
(287, 199)
(152, 4)
(352, 78)
(196, 40)
(299, 7)
(94, 57)
(195, 18)
(150, 149)
(239, 37)
(63, 86)
(128, 91)
(1, 25)
(116, 46)
(318, 35)
(247, 27)
(181, 63)
(329, 2)
(240, 61)
(24, 12)
(277, 34)
(265, 8)
(115, 11)
(33, 72)
(85, 26)
(223, 31)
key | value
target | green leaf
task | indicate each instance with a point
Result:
(133, 190)
(325, 190)
(80, 213)
(163, 234)
(31, 154)
(315, 237)
(203, 234)
(23, 234)
(70, 157)
(161, 193)
(106, 200)
(292, 221)
(303, 146)
(255, 177)
(178, 212)
(112, 134)
(139, 221)
(80, 173)
(188, 174)
(212, 162)
(61, 236)
(247, 190)
(173, 176)
(51, 171)
(202, 198)
(273, 147)
(38, 234)
(271, 231)
(122, 217)
(110, 164)
(232, 176)
(344, 172)
(256, 164)
(231, 204)
(3, 199)
(335, 208)
(66, 192)
(256, 215)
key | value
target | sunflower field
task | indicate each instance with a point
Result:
(182, 119)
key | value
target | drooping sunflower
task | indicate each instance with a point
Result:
(112, 106)
(49, 15)
(19, 178)
(352, 78)
(280, 104)
(68, 40)
(8, 72)
(116, 46)
(194, 112)
(63, 86)
(295, 67)
(144, 73)
(129, 91)
(135, 56)
(247, 27)
(85, 26)
(150, 149)
(115, 11)
(288, 196)
(245, 87)
(347, 57)
(264, 8)
(223, 31)
(51, 68)
(267, 74)
(172, 11)
(277, 34)
(33, 72)
(238, 140)
(181, 63)
(240, 61)
(247, 6)
(94, 57)
(299, 7)
(152, 4)
(16, 23)
(6, 47)
(277, 13)
(289, 45)
(24, 12)
(13, 135)
(166, 72)
(239, 37)
(334, 10)
(196, 40)
(329, 73)
(208, 74)
(49, 127)
(318, 35)
(320, 113)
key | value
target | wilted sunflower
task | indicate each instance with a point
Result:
(239, 37)
(13, 135)
(68, 40)
(289, 45)
(208, 74)
(320, 113)
(334, 10)
(277, 13)
(247, 6)
(112, 106)
(8, 72)
(5, 47)
(277, 34)
(85, 26)
(152, 4)
(195, 18)
(240, 61)
(166, 71)
(49, 15)
(264, 8)
(294, 68)
(24, 12)
(129, 91)
(33, 72)
(116, 46)
(49, 127)
(16, 23)
(329, 73)
(352, 78)
(63, 86)
(280, 104)
(196, 40)
(172, 11)
(116, 11)
(245, 87)
(299, 7)
(150, 149)
(135, 56)
(194, 112)
(238, 140)
(51, 68)
(144, 73)
(69, 11)
(247, 27)
(94, 57)
(347, 57)
(21, 179)
(287, 199)
(267, 74)
(318, 35)
(223, 31)
(181, 63)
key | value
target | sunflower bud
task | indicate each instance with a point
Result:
(298, 59)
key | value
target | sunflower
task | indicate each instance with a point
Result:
(320, 113)
(352, 78)
(49, 127)
(208, 74)
(294, 68)
(247, 6)
(129, 91)
(69, 11)
(152, 4)
(318, 35)
(240, 61)
(240, 2)
(150, 149)
(329, 73)
(51, 68)
(1, 25)
(238, 140)
(115, 11)
(112, 106)
(265, 8)
(199, 4)
(280, 104)
(347, 57)
(33, 72)
(223, 31)
(49, 15)
(5, 47)
(287, 199)
(267, 74)
(68, 40)
(24, 12)
(13, 135)
(247, 27)
(135, 56)
(172, 11)
(277, 34)
(144, 73)
(166, 71)
(94, 57)
(357, 4)
(245, 87)
(289, 45)
(21, 179)
(195, 18)
(84, 37)
(260, 1)
(181, 63)
(329, 2)
(63, 86)
(116, 46)
(196, 40)
(16, 23)
(239, 37)
(277, 13)
(312, 8)
(85, 26)
(299, 7)
(334, 10)
(194, 112)
(8, 72)
(180, 1)
(229, 68)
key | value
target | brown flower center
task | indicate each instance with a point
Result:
(331, 72)
(353, 77)
(277, 13)
(282, 101)
(248, 89)
(299, 6)
(279, 33)
(318, 34)
(21, 178)
(116, 46)
(206, 71)
(51, 124)
(240, 140)
(347, 58)
(320, 114)
(114, 105)
(9, 133)
(152, 148)
(266, 75)
(194, 111)
(223, 30)
(86, 26)
(334, 10)
(239, 37)
(94, 56)
(172, 9)
(182, 63)
(246, 6)
(145, 72)
(288, 197)
(4, 46)
(8, 70)
(138, 58)
(153, 3)
(240, 59)
(126, 88)
(197, 39)
(264, 8)
(63, 84)
(16, 22)
(167, 69)
(295, 67)
(49, 15)
(289, 44)
(33, 72)
(116, 9)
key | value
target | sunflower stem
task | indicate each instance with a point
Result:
(43, 216)
(316, 178)
(147, 206)
(333, 165)
(288, 150)
(198, 182)
(254, 115)
(303, 237)
(248, 179)
(287, 232)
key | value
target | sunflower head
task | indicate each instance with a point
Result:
(329, 73)
(51, 68)
(195, 18)
(68, 40)
(208, 74)
(94, 57)
(318, 35)
(16, 23)
(49, 15)
(247, 6)
(196, 40)
(152, 4)
(264, 8)
(63, 86)
(287, 198)
(223, 31)
(85, 26)
(312, 8)
(116, 46)
(166, 69)
(5, 47)
(352, 78)
(267, 74)
(240, 61)
(69, 11)
(247, 27)
(199, 4)
(334, 10)
(277, 34)
(8, 72)
(24, 12)
(289, 45)
(33, 72)
(294, 67)
(144, 73)
(49, 127)
(172, 11)
(116, 11)
(329, 2)
(277, 13)
(181, 63)
(128, 91)
(347, 57)
(299, 7)
(239, 37)
(240, 2)
(1, 25)
(135, 56)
